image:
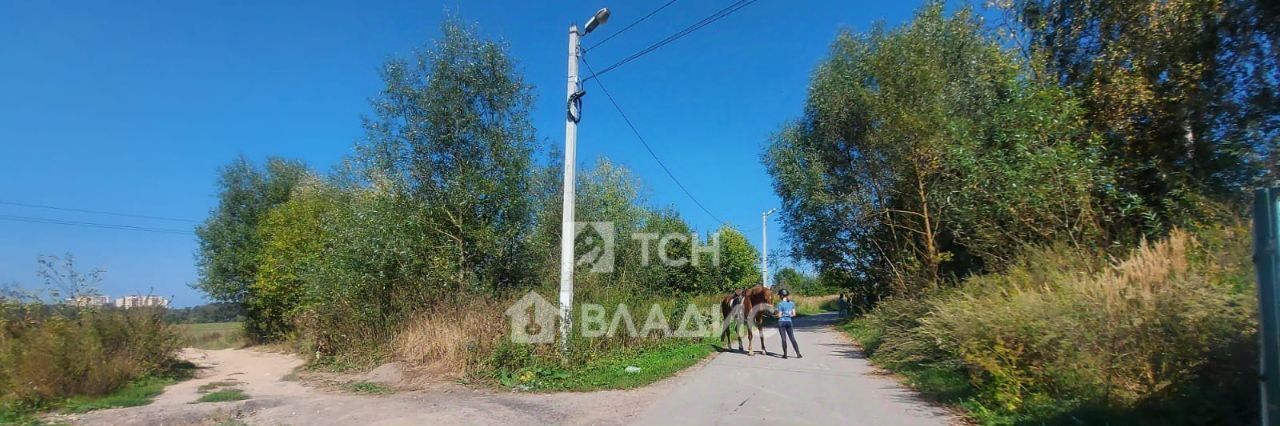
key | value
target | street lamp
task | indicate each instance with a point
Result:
(567, 228)
(764, 247)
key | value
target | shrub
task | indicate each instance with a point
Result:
(48, 353)
(1166, 331)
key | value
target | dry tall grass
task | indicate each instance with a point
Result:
(52, 352)
(809, 305)
(453, 339)
(1064, 328)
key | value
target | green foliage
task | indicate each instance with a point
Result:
(802, 283)
(739, 262)
(923, 153)
(51, 352)
(1182, 92)
(229, 241)
(206, 313)
(451, 132)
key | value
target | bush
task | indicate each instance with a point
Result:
(1167, 331)
(52, 352)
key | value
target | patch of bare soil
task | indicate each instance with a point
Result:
(277, 397)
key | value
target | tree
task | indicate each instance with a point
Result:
(923, 153)
(1185, 93)
(229, 240)
(739, 262)
(293, 237)
(451, 130)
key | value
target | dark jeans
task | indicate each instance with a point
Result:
(786, 331)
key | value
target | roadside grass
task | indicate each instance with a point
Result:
(813, 305)
(217, 335)
(370, 388)
(608, 371)
(139, 392)
(223, 396)
(209, 387)
(939, 383)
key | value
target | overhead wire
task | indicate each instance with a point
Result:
(728, 10)
(648, 148)
(633, 24)
(79, 210)
(50, 221)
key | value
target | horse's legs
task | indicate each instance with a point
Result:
(760, 326)
(750, 339)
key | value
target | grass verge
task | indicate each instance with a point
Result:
(609, 371)
(370, 388)
(217, 335)
(223, 396)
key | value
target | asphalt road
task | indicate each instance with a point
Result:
(832, 384)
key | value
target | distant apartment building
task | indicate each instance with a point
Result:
(89, 301)
(137, 300)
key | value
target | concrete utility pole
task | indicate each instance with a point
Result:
(567, 224)
(764, 247)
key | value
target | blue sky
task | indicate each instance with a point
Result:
(132, 106)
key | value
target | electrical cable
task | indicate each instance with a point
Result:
(678, 35)
(647, 147)
(624, 29)
(29, 219)
(139, 216)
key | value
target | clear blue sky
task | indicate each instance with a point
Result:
(132, 106)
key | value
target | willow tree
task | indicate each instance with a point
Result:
(923, 152)
(1185, 93)
(451, 131)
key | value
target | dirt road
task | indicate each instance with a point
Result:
(831, 385)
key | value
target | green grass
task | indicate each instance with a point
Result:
(208, 387)
(137, 393)
(368, 388)
(223, 396)
(141, 391)
(216, 335)
(607, 371)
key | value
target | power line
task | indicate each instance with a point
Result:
(690, 29)
(69, 209)
(647, 147)
(624, 29)
(43, 220)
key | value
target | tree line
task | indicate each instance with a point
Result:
(445, 200)
(946, 147)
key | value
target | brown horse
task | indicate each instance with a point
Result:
(756, 302)
(731, 314)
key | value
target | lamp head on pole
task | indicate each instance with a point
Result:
(600, 17)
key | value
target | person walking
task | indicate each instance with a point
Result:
(786, 311)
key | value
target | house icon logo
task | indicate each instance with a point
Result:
(532, 319)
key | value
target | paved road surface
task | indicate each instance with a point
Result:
(832, 384)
